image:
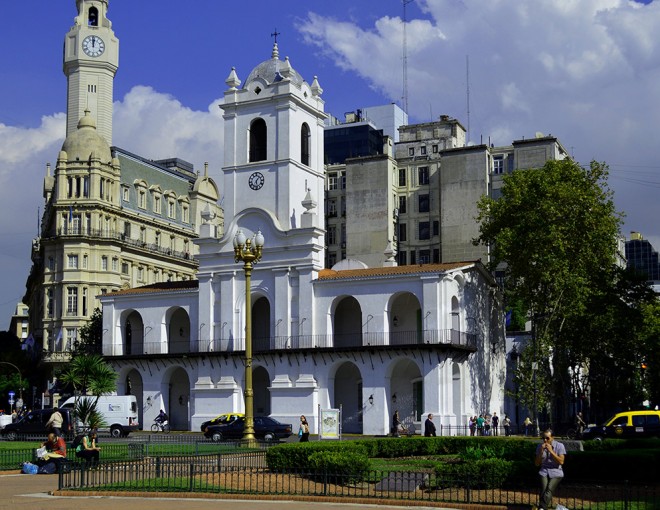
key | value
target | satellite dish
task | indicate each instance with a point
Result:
(539, 134)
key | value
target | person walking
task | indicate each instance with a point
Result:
(527, 424)
(495, 422)
(579, 423)
(54, 423)
(303, 431)
(396, 423)
(472, 424)
(429, 426)
(506, 423)
(550, 455)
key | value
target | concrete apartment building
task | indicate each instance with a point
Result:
(416, 201)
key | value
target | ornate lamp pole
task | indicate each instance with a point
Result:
(248, 253)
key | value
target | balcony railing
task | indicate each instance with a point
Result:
(112, 235)
(446, 337)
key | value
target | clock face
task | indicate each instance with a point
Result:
(256, 180)
(93, 46)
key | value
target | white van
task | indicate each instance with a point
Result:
(120, 412)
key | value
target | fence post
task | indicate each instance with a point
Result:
(158, 467)
(325, 481)
(192, 477)
(468, 494)
(626, 495)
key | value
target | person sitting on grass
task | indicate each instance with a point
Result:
(88, 450)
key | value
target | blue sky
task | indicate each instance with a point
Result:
(586, 71)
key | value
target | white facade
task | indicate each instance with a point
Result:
(370, 341)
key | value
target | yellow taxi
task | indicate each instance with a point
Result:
(626, 425)
(221, 419)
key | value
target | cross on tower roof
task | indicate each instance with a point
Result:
(275, 34)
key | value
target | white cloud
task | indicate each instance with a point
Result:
(157, 126)
(147, 123)
(585, 71)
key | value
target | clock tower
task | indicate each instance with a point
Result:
(273, 135)
(91, 59)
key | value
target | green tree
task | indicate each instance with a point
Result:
(91, 335)
(89, 374)
(551, 231)
(15, 367)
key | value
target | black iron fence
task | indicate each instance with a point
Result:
(175, 446)
(246, 473)
(448, 337)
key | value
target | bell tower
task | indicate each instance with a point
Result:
(273, 134)
(91, 59)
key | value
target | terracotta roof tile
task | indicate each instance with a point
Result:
(158, 287)
(329, 274)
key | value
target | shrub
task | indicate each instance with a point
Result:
(347, 466)
(482, 474)
(478, 453)
(296, 456)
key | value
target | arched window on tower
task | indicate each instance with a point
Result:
(304, 144)
(258, 134)
(93, 20)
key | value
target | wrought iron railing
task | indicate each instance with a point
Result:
(219, 474)
(447, 337)
(113, 235)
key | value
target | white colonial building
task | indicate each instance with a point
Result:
(369, 340)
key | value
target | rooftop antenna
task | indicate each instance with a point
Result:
(405, 56)
(467, 80)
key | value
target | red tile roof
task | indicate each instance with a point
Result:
(329, 274)
(158, 287)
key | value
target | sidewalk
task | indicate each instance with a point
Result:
(18, 491)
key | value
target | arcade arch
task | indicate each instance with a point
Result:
(405, 319)
(406, 390)
(178, 330)
(347, 323)
(348, 395)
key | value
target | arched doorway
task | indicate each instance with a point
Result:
(348, 395)
(261, 324)
(457, 393)
(133, 334)
(261, 385)
(405, 320)
(347, 323)
(179, 399)
(178, 331)
(407, 391)
(134, 386)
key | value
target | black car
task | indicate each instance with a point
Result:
(34, 424)
(264, 428)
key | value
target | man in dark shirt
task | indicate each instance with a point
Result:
(429, 426)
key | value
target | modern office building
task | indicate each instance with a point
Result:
(643, 257)
(416, 200)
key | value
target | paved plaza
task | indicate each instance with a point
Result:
(18, 491)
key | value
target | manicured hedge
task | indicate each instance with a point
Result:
(296, 456)
(479, 474)
(492, 461)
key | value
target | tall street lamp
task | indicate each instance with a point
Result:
(248, 252)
